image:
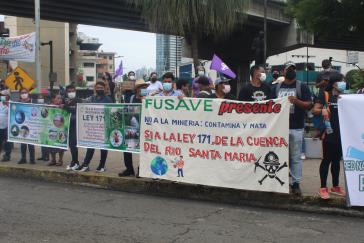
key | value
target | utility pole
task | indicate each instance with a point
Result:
(52, 76)
(265, 33)
(37, 45)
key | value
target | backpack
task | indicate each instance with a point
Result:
(298, 89)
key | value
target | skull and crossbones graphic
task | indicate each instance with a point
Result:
(271, 166)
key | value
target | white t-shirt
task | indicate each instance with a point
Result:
(3, 116)
(154, 86)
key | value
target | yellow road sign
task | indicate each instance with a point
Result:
(19, 79)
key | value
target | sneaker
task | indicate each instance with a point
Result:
(324, 193)
(41, 158)
(5, 159)
(337, 190)
(75, 167)
(52, 163)
(100, 170)
(84, 169)
(295, 189)
(303, 156)
(126, 173)
(22, 161)
(69, 167)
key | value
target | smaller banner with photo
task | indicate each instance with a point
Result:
(109, 126)
(38, 124)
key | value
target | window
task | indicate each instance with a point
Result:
(90, 78)
(105, 57)
(88, 64)
(110, 57)
(100, 75)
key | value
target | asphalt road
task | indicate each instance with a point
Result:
(33, 211)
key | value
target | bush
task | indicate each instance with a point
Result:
(355, 79)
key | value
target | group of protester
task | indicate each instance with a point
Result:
(324, 106)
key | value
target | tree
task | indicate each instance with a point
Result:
(193, 18)
(355, 79)
(329, 18)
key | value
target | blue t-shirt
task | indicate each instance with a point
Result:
(297, 117)
(172, 93)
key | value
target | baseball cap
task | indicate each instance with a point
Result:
(289, 64)
(221, 80)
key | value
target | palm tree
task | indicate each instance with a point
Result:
(193, 18)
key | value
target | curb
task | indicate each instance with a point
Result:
(312, 204)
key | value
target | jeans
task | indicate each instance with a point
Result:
(128, 161)
(90, 154)
(180, 172)
(23, 149)
(295, 146)
(303, 148)
(4, 143)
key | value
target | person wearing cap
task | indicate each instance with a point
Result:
(4, 110)
(204, 87)
(299, 96)
(140, 93)
(168, 89)
(256, 89)
(222, 90)
(195, 86)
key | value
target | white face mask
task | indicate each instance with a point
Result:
(201, 73)
(227, 88)
(132, 77)
(71, 95)
(263, 77)
(41, 101)
(2, 98)
(24, 96)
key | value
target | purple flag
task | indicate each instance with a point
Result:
(218, 65)
(119, 70)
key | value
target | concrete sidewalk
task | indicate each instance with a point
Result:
(110, 180)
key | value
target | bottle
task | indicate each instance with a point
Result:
(328, 127)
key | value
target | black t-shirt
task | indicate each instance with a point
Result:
(227, 97)
(334, 117)
(204, 94)
(297, 116)
(252, 93)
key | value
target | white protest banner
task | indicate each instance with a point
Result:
(18, 48)
(216, 142)
(109, 126)
(351, 116)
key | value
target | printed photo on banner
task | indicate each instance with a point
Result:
(109, 126)
(216, 142)
(38, 125)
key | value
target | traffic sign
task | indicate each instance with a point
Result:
(19, 79)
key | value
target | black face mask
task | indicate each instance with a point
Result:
(100, 92)
(290, 74)
(275, 76)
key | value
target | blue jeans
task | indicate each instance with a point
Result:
(180, 172)
(295, 146)
(303, 149)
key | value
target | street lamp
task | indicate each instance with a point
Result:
(52, 76)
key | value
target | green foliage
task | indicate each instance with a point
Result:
(355, 79)
(183, 17)
(329, 18)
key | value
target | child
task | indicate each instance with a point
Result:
(56, 100)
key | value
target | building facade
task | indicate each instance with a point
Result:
(169, 53)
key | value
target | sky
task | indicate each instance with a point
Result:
(137, 48)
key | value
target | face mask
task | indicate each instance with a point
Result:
(167, 86)
(201, 73)
(290, 74)
(131, 77)
(341, 86)
(41, 101)
(263, 77)
(71, 95)
(24, 96)
(227, 89)
(2, 98)
(275, 76)
(143, 92)
(154, 79)
(100, 92)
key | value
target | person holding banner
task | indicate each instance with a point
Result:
(4, 110)
(70, 105)
(299, 96)
(24, 98)
(205, 89)
(257, 89)
(56, 100)
(195, 86)
(140, 85)
(168, 89)
(98, 97)
(326, 105)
